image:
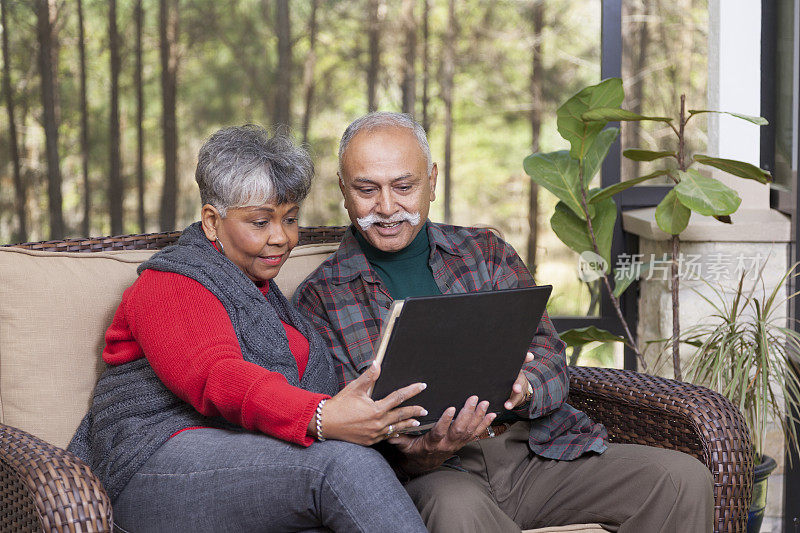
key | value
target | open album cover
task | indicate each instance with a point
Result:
(460, 345)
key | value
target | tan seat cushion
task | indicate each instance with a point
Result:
(302, 262)
(573, 528)
(54, 310)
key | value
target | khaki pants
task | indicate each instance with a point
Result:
(629, 488)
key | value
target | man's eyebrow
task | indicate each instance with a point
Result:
(405, 176)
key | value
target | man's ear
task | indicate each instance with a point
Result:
(341, 189)
(432, 181)
(210, 220)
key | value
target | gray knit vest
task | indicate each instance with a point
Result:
(133, 412)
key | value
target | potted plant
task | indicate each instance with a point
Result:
(746, 352)
(584, 217)
(741, 354)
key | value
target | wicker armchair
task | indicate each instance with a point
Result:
(45, 488)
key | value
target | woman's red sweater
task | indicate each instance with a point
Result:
(187, 337)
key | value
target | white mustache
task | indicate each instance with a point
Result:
(402, 216)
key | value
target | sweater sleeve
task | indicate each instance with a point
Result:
(188, 339)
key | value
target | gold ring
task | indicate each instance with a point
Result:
(528, 392)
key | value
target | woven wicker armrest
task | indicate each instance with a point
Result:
(642, 409)
(45, 488)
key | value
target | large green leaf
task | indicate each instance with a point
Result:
(614, 114)
(705, 195)
(624, 278)
(581, 336)
(611, 190)
(671, 215)
(597, 153)
(759, 121)
(646, 155)
(579, 133)
(558, 173)
(737, 168)
(575, 234)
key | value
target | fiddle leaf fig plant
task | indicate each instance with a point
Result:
(581, 225)
(584, 218)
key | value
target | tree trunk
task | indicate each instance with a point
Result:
(374, 34)
(48, 61)
(634, 76)
(409, 77)
(168, 36)
(308, 69)
(283, 79)
(21, 235)
(138, 15)
(448, 71)
(86, 225)
(261, 77)
(114, 159)
(425, 68)
(536, 82)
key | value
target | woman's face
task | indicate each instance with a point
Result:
(257, 239)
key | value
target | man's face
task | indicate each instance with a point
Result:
(386, 186)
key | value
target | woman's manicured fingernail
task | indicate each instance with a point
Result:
(424, 412)
(415, 423)
(423, 386)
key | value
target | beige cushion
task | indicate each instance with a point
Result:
(54, 310)
(573, 528)
(302, 261)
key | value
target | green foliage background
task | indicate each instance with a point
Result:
(228, 56)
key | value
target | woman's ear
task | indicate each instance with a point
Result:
(210, 220)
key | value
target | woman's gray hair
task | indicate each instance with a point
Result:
(383, 119)
(243, 166)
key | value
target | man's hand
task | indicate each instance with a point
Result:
(520, 388)
(426, 452)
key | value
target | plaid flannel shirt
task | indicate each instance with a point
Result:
(347, 302)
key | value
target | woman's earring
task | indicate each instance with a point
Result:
(221, 248)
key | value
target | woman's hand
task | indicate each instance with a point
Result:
(353, 416)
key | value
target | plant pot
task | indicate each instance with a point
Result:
(755, 515)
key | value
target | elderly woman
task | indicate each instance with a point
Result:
(218, 410)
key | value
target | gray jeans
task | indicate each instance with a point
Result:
(212, 480)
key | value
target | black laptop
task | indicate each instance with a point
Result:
(460, 345)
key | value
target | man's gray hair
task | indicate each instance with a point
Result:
(383, 119)
(243, 166)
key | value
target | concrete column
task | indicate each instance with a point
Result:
(734, 85)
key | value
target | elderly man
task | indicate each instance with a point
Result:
(540, 462)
